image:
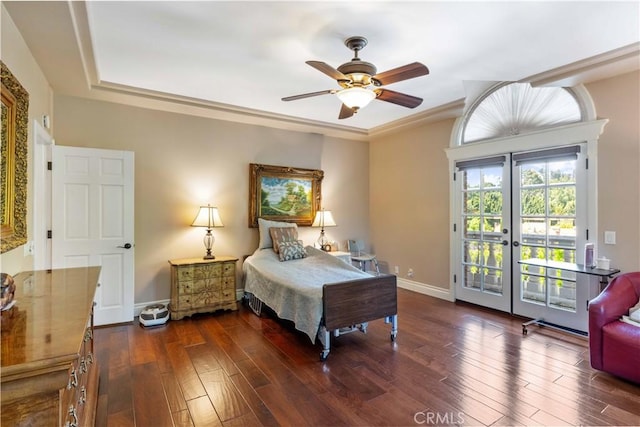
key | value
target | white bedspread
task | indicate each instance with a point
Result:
(293, 289)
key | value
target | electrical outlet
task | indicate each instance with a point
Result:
(410, 272)
(396, 269)
(29, 248)
(610, 237)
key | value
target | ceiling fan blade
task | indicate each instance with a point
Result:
(308, 95)
(328, 70)
(345, 112)
(405, 72)
(398, 98)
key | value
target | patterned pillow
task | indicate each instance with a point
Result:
(264, 225)
(282, 234)
(292, 250)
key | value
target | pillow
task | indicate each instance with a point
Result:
(634, 312)
(264, 225)
(282, 234)
(292, 250)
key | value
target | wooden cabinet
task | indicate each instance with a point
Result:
(202, 285)
(49, 371)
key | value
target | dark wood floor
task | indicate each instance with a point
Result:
(452, 364)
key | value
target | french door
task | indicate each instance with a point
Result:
(484, 194)
(518, 206)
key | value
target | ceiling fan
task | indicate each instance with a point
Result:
(360, 84)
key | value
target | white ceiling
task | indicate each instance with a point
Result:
(248, 55)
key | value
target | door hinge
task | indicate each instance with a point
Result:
(454, 228)
(455, 279)
(587, 234)
(454, 176)
(48, 234)
(586, 163)
(49, 166)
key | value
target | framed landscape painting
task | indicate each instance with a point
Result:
(281, 193)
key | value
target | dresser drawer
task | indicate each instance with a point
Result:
(185, 272)
(229, 269)
(207, 271)
(186, 287)
(209, 285)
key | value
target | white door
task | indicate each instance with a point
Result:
(484, 244)
(550, 223)
(92, 223)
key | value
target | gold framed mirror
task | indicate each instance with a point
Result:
(13, 168)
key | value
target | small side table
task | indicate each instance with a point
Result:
(202, 285)
(603, 275)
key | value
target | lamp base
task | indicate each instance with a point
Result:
(326, 247)
(209, 257)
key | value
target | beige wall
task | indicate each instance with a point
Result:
(18, 58)
(618, 99)
(183, 161)
(409, 188)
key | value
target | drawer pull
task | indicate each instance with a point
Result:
(74, 417)
(90, 358)
(73, 380)
(83, 395)
(83, 366)
(88, 335)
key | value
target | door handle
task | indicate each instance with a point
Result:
(516, 243)
(126, 246)
(505, 242)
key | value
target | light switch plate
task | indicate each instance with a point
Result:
(610, 237)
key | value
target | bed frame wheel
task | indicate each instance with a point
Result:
(393, 336)
(323, 355)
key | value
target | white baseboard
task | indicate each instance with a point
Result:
(423, 288)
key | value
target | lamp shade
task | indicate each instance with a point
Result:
(323, 219)
(208, 217)
(356, 97)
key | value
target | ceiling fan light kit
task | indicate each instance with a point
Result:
(356, 97)
(360, 81)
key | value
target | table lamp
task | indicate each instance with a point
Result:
(208, 217)
(323, 219)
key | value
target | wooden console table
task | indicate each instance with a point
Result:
(49, 371)
(604, 276)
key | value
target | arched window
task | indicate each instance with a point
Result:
(517, 108)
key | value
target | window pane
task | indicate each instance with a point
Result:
(532, 174)
(563, 172)
(492, 202)
(533, 202)
(471, 201)
(562, 200)
(492, 177)
(471, 179)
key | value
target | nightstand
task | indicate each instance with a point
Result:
(202, 285)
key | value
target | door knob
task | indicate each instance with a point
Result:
(505, 242)
(516, 243)
(126, 246)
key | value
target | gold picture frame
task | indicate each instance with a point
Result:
(282, 193)
(13, 170)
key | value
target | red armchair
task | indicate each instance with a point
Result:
(614, 346)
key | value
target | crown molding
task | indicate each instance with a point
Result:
(614, 62)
